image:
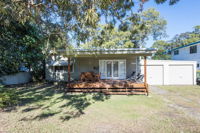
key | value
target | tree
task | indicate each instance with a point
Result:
(161, 47)
(142, 26)
(107, 36)
(21, 45)
(186, 37)
(131, 34)
(72, 16)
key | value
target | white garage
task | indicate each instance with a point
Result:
(167, 72)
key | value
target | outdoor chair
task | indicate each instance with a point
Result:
(132, 77)
(140, 78)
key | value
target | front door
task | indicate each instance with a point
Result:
(112, 69)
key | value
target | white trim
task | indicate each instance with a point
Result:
(136, 69)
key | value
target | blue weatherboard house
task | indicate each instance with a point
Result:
(189, 52)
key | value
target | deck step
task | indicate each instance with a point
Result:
(132, 91)
(125, 93)
(106, 90)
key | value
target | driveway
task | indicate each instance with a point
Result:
(177, 100)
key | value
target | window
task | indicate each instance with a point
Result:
(176, 52)
(63, 68)
(198, 65)
(193, 49)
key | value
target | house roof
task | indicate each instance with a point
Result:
(89, 52)
(187, 45)
(59, 63)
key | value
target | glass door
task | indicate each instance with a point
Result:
(109, 69)
(112, 69)
(115, 69)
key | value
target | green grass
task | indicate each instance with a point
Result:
(45, 108)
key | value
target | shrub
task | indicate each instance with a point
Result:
(8, 97)
(198, 73)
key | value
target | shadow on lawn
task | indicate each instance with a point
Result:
(51, 100)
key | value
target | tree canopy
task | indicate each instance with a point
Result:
(70, 16)
(133, 33)
(21, 44)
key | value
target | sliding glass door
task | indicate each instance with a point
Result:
(112, 69)
(109, 69)
(115, 69)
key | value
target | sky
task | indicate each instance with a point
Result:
(181, 17)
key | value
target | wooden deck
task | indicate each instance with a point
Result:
(113, 87)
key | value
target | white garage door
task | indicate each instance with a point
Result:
(180, 74)
(155, 74)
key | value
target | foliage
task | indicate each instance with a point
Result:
(108, 37)
(71, 17)
(198, 73)
(186, 37)
(177, 41)
(8, 97)
(21, 45)
(161, 46)
(132, 33)
(146, 24)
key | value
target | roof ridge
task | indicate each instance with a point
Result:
(185, 45)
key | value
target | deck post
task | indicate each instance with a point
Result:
(69, 72)
(145, 74)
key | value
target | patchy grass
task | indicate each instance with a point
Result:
(184, 95)
(46, 108)
(183, 90)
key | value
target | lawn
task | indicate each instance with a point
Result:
(45, 108)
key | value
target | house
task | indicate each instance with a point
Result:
(116, 65)
(112, 64)
(190, 52)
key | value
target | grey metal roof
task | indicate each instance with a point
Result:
(145, 51)
(119, 49)
(59, 63)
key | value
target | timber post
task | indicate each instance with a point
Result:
(145, 75)
(69, 72)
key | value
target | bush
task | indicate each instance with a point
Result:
(8, 97)
(198, 73)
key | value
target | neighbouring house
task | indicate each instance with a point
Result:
(114, 65)
(190, 52)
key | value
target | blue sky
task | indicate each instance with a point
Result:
(180, 17)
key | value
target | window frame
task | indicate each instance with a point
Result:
(193, 51)
(63, 71)
(176, 52)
